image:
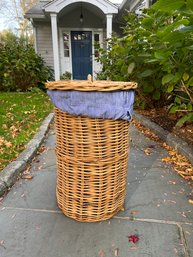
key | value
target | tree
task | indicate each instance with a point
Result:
(15, 11)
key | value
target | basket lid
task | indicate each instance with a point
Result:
(89, 85)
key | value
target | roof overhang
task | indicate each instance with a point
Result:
(129, 5)
(34, 16)
(58, 5)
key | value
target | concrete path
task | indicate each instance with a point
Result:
(156, 210)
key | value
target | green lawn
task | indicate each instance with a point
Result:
(20, 116)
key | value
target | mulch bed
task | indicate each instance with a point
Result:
(168, 121)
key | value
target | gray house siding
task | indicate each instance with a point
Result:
(44, 42)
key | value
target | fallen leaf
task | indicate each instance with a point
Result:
(171, 201)
(4, 126)
(32, 116)
(152, 146)
(36, 161)
(2, 243)
(133, 238)
(26, 176)
(190, 201)
(175, 250)
(116, 252)
(8, 144)
(134, 212)
(148, 151)
(188, 178)
(171, 182)
(14, 131)
(101, 253)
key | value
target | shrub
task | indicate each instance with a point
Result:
(66, 75)
(20, 67)
(157, 52)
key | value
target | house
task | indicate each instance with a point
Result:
(65, 32)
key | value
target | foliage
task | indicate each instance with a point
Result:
(66, 75)
(157, 52)
(21, 115)
(20, 67)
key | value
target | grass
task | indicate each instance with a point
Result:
(20, 117)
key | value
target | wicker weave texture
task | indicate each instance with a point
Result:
(84, 85)
(92, 163)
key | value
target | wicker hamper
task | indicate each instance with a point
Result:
(92, 158)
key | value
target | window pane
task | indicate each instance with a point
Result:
(96, 37)
(66, 37)
(66, 45)
(66, 53)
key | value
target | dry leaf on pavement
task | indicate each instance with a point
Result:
(134, 212)
(148, 151)
(101, 253)
(190, 201)
(133, 238)
(181, 164)
(26, 176)
(116, 252)
(2, 243)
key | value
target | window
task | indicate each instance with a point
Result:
(96, 44)
(66, 44)
(81, 36)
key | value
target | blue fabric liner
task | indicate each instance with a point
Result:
(107, 105)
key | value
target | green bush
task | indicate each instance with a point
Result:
(66, 75)
(157, 52)
(20, 67)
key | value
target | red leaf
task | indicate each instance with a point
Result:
(133, 238)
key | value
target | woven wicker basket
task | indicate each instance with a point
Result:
(92, 162)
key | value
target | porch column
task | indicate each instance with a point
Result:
(147, 4)
(109, 25)
(55, 45)
(35, 38)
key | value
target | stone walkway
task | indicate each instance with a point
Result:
(156, 210)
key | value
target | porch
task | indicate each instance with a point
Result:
(66, 33)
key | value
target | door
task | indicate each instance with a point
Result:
(81, 54)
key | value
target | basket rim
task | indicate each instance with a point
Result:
(85, 85)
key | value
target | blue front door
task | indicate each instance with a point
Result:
(81, 54)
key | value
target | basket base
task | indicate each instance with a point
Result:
(86, 218)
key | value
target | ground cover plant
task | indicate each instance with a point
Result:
(20, 116)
